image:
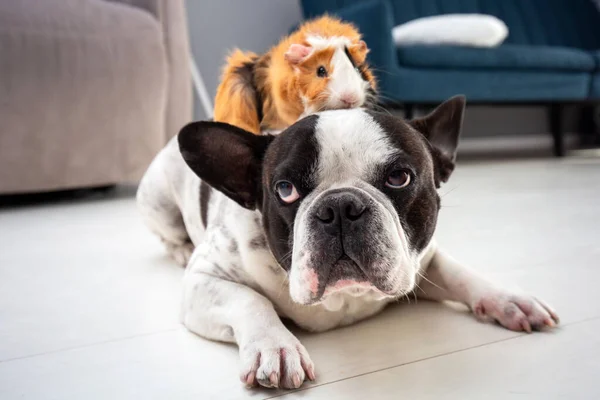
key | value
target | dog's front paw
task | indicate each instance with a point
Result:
(515, 312)
(278, 360)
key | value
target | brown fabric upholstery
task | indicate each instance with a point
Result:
(173, 18)
(90, 90)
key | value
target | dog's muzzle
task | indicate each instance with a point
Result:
(348, 242)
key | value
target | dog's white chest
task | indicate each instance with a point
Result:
(348, 310)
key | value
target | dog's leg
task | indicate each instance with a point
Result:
(446, 279)
(223, 310)
(161, 213)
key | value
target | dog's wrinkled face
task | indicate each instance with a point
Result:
(348, 197)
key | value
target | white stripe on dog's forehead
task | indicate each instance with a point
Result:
(351, 145)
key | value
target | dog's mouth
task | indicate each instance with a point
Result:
(345, 275)
(332, 272)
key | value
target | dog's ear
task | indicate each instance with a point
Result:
(442, 128)
(227, 158)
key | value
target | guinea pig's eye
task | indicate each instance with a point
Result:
(321, 72)
(398, 179)
(286, 191)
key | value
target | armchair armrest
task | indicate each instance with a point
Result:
(172, 16)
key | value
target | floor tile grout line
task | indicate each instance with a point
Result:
(125, 338)
(426, 359)
(83, 346)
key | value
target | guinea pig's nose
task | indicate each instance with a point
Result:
(338, 208)
(349, 99)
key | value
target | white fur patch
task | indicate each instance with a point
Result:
(320, 42)
(351, 145)
(346, 82)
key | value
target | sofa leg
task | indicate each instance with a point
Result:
(588, 128)
(409, 111)
(557, 129)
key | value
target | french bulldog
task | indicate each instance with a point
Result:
(323, 224)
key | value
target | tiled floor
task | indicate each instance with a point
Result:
(89, 303)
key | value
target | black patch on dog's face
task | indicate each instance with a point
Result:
(418, 204)
(292, 156)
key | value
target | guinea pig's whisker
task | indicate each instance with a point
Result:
(382, 97)
(377, 107)
(322, 107)
(323, 96)
(372, 69)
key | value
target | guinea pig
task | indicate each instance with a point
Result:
(321, 66)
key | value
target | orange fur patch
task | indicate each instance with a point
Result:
(235, 102)
(310, 85)
(328, 26)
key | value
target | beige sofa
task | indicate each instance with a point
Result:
(90, 90)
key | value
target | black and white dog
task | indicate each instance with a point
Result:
(324, 224)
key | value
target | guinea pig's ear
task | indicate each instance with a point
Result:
(297, 53)
(362, 46)
(442, 128)
(227, 158)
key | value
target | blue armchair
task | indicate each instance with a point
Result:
(551, 56)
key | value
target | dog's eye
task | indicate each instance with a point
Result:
(321, 72)
(286, 191)
(398, 179)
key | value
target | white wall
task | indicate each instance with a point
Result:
(217, 26)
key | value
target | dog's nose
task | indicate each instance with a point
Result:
(338, 207)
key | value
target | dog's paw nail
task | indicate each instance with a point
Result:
(274, 379)
(296, 380)
(311, 374)
(549, 323)
(479, 311)
(249, 380)
(276, 362)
